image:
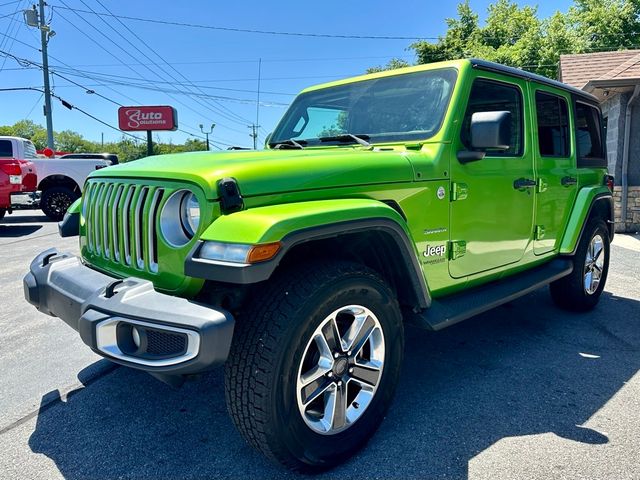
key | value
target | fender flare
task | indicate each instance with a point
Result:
(586, 201)
(298, 223)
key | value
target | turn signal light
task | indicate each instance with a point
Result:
(260, 253)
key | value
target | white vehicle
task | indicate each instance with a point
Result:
(60, 180)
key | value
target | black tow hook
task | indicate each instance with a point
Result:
(110, 291)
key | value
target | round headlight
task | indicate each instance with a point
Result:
(180, 218)
(190, 216)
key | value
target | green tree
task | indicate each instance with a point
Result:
(391, 65)
(516, 36)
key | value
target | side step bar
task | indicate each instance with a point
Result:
(450, 310)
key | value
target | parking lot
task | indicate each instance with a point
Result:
(525, 391)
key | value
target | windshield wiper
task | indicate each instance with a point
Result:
(291, 143)
(346, 137)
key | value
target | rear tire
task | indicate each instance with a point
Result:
(277, 349)
(580, 291)
(56, 200)
(2, 212)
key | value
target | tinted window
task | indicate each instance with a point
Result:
(5, 148)
(553, 125)
(30, 150)
(489, 96)
(588, 133)
(387, 109)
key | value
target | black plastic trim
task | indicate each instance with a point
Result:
(461, 306)
(597, 198)
(70, 225)
(515, 72)
(258, 272)
(60, 285)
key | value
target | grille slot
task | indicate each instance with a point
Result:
(121, 223)
(165, 343)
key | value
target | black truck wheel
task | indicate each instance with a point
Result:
(314, 364)
(56, 200)
(2, 212)
(580, 291)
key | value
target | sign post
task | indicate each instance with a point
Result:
(149, 119)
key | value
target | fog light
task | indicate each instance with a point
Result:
(135, 336)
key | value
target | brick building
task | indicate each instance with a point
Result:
(614, 77)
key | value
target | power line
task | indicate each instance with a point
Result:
(35, 64)
(130, 68)
(10, 3)
(232, 114)
(71, 107)
(247, 30)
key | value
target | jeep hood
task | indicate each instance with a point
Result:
(272, 171)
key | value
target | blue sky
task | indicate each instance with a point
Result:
(222, 65)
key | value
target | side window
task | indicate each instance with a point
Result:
(491, 96)
(553, 125)
(30, 150)
(6, 150)
(589, 135)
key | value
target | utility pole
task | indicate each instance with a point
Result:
(207, 133)
(254, 134)
(33, 18)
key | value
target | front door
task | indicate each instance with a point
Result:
(555, 165)
(492, 199)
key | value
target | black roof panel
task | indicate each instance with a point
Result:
(516, 72)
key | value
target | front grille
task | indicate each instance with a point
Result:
(121, 223)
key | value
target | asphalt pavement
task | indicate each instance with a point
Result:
(526, 391)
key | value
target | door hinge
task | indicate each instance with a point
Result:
(539, 233)
(542, 185)
(459, 191)
(457, 249)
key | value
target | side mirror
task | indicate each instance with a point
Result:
(267, 140)
(489, 131)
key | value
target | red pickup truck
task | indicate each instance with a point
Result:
(17, 178)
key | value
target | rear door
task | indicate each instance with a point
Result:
(555, 165)
(491, 219)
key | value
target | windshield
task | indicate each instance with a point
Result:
(403, 107)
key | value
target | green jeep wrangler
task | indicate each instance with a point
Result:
(424, 195)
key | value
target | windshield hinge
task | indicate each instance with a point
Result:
(457, 249)
(230, 197)
(459, 191)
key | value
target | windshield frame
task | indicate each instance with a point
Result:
(387, 137)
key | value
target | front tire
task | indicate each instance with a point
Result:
(56, 200)
(2, 212)
(314, 364)
(580, 291)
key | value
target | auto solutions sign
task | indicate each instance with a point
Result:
(134, 119)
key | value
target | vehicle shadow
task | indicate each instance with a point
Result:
(34, 218)
(518, 370)
(13, 231)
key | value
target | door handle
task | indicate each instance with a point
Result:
(522, 183)
(567, 181)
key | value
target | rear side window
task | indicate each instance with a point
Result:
(491, 96)
(6, 150)
(553, 125)
(30, 150)
(589, 136)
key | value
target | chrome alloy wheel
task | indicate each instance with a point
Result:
(594, 265)
(340, 370)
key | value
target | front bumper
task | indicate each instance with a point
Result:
(25, 199)
(126, 320)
